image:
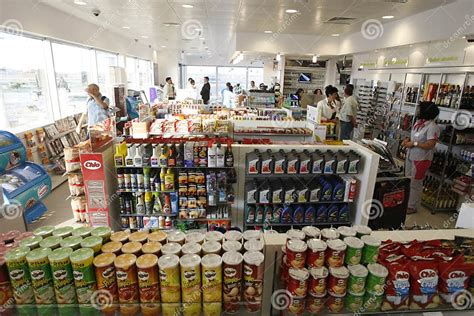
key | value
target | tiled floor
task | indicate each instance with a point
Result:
(441, 220)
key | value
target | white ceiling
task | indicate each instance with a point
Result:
(221, 19)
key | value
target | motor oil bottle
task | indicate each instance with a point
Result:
(254, 162)
(279, 162)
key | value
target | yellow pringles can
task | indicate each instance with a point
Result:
(211, 278)
(170, 287)
(190, 278)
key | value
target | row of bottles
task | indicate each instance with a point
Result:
(148, 222)
(148, 203)
(448, 96)
(467, 100)
(446, 199)
(276, 191)
(187, 155)
(146, 179)
(411, 94)
(296, 214)
(306, 162)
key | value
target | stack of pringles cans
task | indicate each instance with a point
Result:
(59, 271)
(332, 270)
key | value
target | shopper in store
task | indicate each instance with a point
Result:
(318, 95)
(348, 115)
(206, 91)
(326, 109)
(252, 85)
(170, 92)
(97, 105)
(421, 147)
(227, 95)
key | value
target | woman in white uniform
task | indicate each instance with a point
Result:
(326, 109)
(421, 147)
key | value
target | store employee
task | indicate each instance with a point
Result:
(326, 109)
(421, 147)
(97, 105)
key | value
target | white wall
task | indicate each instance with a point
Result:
(41, 19)
(168, 66)
(268, 73)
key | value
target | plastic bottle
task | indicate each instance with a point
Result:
(172, 156)
(229, 156)
(148, 203)
(180, 155)
(140, 180)
(140, 206)
(169, 180)
(127, 178)
(146, 155)
(162, 179)
(146, 179)
(168, 222)
(161, 222)
(164, 156)
(120, 179)
(130, 155)
(157, 208)
(154, 160)
(220, 156)
(167, 205)
(133, 180)
(211, 156)
(118, 158)
(138, 158)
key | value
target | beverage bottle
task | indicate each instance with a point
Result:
(146, 179)
(172, 156)
(140, 180)
(162, 179)
(120, 179)
(180, 155)
(220, 156)
(138, 159)
(154, 159)
(127, 180)
(164, 156)
(133, 180)
(118, 158)
(229, 156)
(140, 206)
(130, 155)
(211, 156)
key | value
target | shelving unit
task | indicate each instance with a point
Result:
(261, 99)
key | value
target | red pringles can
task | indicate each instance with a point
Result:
(253, 280)
(335, 253)
(318, 282)
(296, 253)
(298, 282)
(337, 284)
(335, 304)
(296, 306)
(315, 305)
(316, 253)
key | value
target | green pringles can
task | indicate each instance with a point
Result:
(357, 278)
(31, 242)
(84, 274)
(44, 231)
(362, 230)
(370, 252)
(63, 278)
(102, 231)
(20, 275)
(375, 283)
(353, 251)
(73, 242)
(63, 232)
(41, 277)
(372, 303)
(52, 242)
(354, 303)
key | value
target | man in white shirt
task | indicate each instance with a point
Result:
(170, 92)
(348, 113)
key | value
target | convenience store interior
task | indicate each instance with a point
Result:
(246, 72)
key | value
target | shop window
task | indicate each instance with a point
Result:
(104, 61)
(73, 67)
(255, 74)
(198, 73)
(24, 95)
(233, 75)
(131, 65)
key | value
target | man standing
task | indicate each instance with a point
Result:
(348, 114)
(170, 92)
(253, 86)
(97, 105)
(206, 91)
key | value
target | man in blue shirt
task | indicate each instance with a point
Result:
(97, 105)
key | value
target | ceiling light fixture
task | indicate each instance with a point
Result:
(187, 6)
(126, 27)
(79, 2)
(387, 17)
(238, 59)
(291, 11)
(315, 59)
(278, 57)
(268, 32)
(202, 38)
(335, 34)
(144, 36)
(163, 46)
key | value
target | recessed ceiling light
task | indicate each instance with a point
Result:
(202, 38)
(291, 11)
(163, 46)
(268, 32)
(171, 24)
(144, 36)
(79, 2)
(187, 6)
(388, 17)
(335, 34)
(126, 27)
(464, 37)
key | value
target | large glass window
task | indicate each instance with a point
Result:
(24, 98)
(104, 61)
(73, 67)
(145, 74)
(132, 75)
(198, 73)
(233, 75)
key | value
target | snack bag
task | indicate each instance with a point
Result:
(454, 277)
(395, 302)
(424, 276)
(398, 280)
